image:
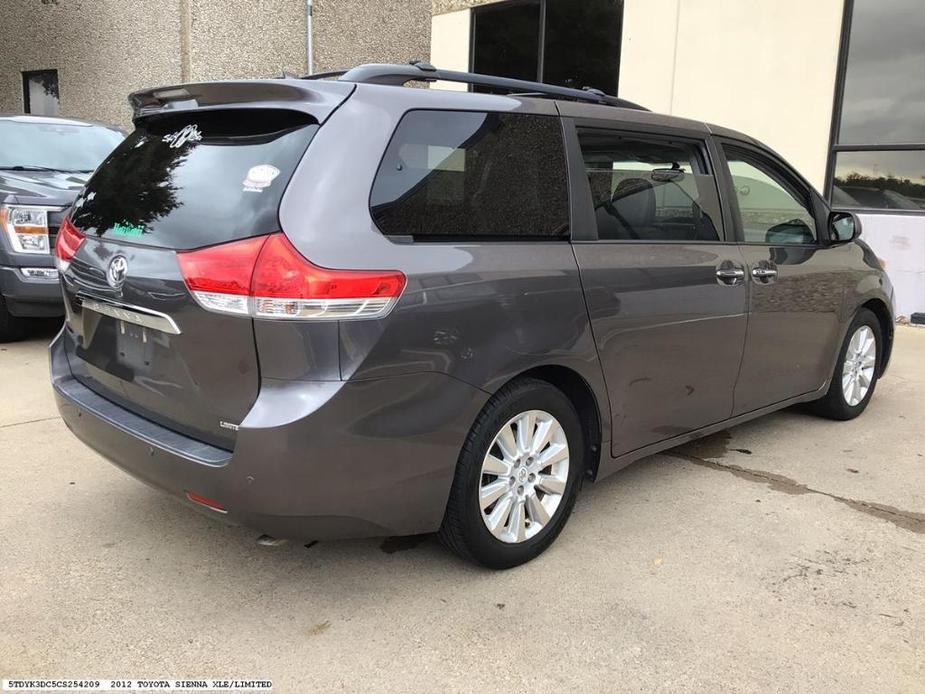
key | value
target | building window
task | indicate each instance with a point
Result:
(537, 40)
(878, 153)
(40, 92)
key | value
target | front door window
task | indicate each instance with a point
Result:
(770, 211)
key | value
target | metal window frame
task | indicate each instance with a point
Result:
(838, 101)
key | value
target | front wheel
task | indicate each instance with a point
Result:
(517, 477)
(856, 370)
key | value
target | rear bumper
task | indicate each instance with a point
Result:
(30, 298)
(313, 460)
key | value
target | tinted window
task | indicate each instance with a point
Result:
(770, 209)
(885, 180)
(649, 190)
(596, 26)
(57, 145)
(537, 39)
(884, 101)
(882, 104)
(471, 175)
(191, 180)
(506, 40)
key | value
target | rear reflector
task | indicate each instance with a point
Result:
(203, 501)
(266, 277)
(67, 244)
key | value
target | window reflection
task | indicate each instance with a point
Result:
(884, 98)
(880, 180)
(882, 106)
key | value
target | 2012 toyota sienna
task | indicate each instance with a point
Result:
(344, 307)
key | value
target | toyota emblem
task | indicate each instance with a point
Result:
(118, 269)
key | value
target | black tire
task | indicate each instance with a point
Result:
(12, 328)
(833, 404)
(463, 529)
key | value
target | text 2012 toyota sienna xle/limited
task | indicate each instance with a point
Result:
(344, 308)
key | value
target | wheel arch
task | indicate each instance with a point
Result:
(583, 398)
(882, 312)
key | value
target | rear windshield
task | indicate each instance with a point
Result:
(190, 180)
(60, 146)
(466, 175)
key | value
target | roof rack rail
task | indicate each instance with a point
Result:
(417, 70)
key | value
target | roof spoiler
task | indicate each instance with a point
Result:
(316, 99)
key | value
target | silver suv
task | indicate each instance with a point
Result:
(341, 308)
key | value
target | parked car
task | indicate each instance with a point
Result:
(344, 308)
(44, 162)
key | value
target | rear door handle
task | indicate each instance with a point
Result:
(764, 273)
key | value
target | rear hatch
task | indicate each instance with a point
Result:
(184, 179)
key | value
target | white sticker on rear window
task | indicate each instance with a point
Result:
(259, 177)
(189, 133)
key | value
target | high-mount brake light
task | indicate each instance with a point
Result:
(66, 244)
(266, 277)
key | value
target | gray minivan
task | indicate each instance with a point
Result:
(340, 308)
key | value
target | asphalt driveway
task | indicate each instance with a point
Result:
(785, 554)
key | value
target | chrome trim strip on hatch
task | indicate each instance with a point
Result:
(144, 317)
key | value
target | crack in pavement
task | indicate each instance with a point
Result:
(907, 520)
(30, 421)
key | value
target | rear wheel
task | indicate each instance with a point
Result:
(12, 328)
(856, 370)
(517, 477)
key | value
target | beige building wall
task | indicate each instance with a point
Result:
(449, 44)
(349, 32)
(105, 49)
(102, 50)
(235, 40)
(765, 67)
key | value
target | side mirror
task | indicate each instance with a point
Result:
(844, 226)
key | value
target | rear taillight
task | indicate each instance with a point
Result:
(66, 244)
(266, 277)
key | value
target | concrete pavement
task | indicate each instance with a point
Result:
(785, 554)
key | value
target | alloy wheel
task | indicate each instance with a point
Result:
(860, 363)
(524, 476)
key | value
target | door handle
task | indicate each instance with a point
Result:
(730, 275)
(764, 273)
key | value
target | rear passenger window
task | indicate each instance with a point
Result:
(464, 175)
(649, 190)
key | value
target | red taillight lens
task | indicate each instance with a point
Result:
(266, 277)
(282, 272)
(66, 244)
(220, 276)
